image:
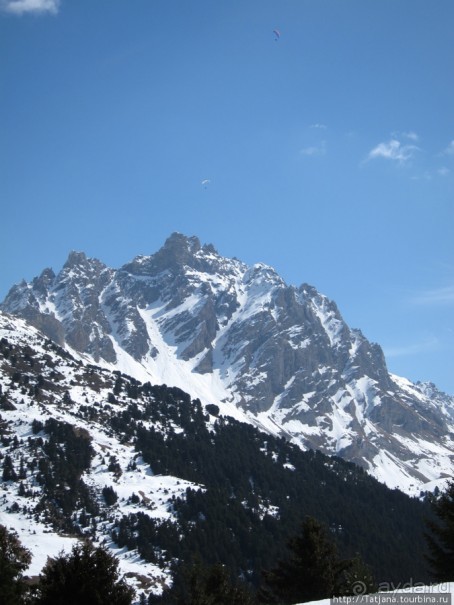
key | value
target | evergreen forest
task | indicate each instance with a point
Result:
(257, 490)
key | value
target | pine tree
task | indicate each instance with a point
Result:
(110, 495)
(86, 575)
(309, 573)
(22, 471)
(314, 570)
(9, 474)
(14, 560)
(355, 578)
(441, 539)
(214, 587)
(199, 584)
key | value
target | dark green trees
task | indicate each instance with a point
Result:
(9, 474)
(110, 495)
(441, 539)
(14, 560)
(314, 570)
(200, 584)
(86, 575)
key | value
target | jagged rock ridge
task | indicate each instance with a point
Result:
(238, 335)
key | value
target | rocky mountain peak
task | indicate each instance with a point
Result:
(75, 259)
(78, 265)
(263, 274)
(178, 243)
(178, 250)
(44, 281)
(238, 335)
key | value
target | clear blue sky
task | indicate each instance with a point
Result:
(330, 151)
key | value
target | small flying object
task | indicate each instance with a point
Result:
(205, 183)
(277, 34)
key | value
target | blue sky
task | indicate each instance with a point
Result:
(329, 152)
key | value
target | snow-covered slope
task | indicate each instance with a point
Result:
(279, 356)
(24, 408)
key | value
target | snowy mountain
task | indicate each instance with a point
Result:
(279, 356)
(156, 477)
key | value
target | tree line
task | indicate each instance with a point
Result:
(311, 570)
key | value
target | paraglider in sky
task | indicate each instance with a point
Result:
(277, 34)
(205, 183)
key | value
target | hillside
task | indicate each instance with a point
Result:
(159, 477)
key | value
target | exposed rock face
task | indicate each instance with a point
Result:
(229, 332)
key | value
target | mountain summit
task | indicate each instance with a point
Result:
(276, 355)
